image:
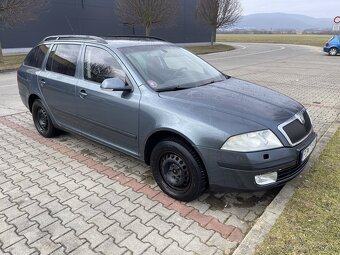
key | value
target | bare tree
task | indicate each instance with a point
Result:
(149, 13)
(219, 13)
(13, 12)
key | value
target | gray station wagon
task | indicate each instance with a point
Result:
(196, 127)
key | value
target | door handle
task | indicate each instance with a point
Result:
(42, 83)
(82, 93)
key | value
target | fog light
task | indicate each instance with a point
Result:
(265, 179)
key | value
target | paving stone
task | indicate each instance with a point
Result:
(70, 241)
(87, 212)
(56, 230)
(142, 214)
(157, 240)
(160, 225)
(82, 193)
(94, 237)
(44, 219)
(32, 234)
(198, 247)
(202, 233)
(162, 211)
(179, 236)
(123, 218)
(180, 221)
(221, 243)
(79, 225)
(45, 245)
(117, 233)
(139, 228)
(107, 208)
(101, 221)
(74, 203)
(9, 237)
(54, 207)
(33, 210)
(135, 245)
(21, 223)
(234, 221)
(19, 248)
(5, 203)
(175, 249)
(44, 198)
(94, 200)
(66, 215)
(127, 205)
(84, 249)
(109, 247)
(12, 213)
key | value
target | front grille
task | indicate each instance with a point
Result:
(290, 172)
(296, 131)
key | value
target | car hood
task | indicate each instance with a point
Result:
(239, 98)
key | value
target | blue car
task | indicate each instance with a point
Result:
(332, 47)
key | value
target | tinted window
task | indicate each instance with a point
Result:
(63, 59)
(100, 65)
(36, 56)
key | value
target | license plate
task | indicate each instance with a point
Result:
(306, 152)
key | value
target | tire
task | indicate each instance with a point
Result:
(333, 52)
(42, 120)
(178, 170)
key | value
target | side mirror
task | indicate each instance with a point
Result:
(115, 84)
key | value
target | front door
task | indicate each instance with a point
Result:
(106, 115)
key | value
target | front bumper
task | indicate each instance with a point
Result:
(236, 171)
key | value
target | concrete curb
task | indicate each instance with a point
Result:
(263, 225)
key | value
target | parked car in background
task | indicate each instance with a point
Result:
(332, 47)
(196, 127)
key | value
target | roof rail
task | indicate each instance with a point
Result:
(74, 37)
(135, 37)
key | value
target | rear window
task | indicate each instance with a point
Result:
(63, 59)
(36, 56)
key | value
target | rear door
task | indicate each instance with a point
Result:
(109, 116)
(58, 83)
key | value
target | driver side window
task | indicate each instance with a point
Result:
(99, 65)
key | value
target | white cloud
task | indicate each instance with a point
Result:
(314, 8)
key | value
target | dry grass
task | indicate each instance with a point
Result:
(11, 62)
(310, 223)
(199, 50)
(312, 40)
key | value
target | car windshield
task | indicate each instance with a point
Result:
(167, 67)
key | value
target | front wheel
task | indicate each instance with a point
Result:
(333, 52)
(42, 120)
(178, 170)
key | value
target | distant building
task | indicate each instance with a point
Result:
(97, 17)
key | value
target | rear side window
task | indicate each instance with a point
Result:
(63, 59)
(100, 65)
(36, 56)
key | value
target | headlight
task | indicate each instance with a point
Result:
(254, 141)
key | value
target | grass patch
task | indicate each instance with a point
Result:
(11, 62)
(312, 40)
(209, 49)
(310, 223)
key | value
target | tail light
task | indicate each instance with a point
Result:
(327, 44)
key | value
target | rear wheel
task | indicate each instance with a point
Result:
(333, 52)
(42, 120)
(178, 170)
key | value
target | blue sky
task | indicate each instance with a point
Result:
(314, 8)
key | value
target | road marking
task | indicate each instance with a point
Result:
(251, 54)
(10, 85)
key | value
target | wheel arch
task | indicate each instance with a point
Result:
(162, 134)
(31, 100)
